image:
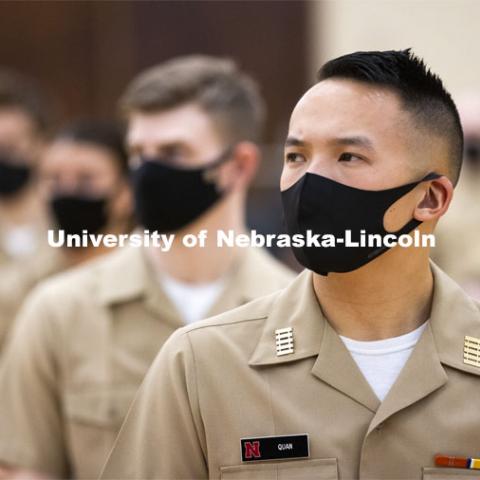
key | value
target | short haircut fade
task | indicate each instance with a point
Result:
(228, 95)
(421, 92)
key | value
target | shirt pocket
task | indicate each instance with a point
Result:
(92, 421)
(318, 469)
(430, 473)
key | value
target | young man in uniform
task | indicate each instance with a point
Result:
(85, 340)
(365, 367)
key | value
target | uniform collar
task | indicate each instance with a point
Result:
(254, 274)
(127, 275)
(454, 315)
(122, 276)
(296, 306)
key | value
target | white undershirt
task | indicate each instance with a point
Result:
(193, 301)
(20, 241)
(381, 361)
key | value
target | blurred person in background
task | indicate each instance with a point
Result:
(85, 339)
(24, 253)
(458, 236)
(82, 182)
(84, 179)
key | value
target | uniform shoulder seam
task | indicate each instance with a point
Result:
(191, 328)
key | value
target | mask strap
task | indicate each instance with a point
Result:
(222, 158)
(431, 176)
(407, 228)
(413, 223)
(226, 155)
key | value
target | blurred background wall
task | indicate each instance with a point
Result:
(84, 52)
(444, 32)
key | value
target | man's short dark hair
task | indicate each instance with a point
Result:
(229, 96)
(101, 133)
(421, 92)
(19, 91)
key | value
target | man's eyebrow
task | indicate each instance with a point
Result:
(356, 141)
(294, 142)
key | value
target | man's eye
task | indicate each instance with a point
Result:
(294, 158)
(348, 157)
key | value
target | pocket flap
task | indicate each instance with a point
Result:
(321, 469)
(434, 473)
(100, 407)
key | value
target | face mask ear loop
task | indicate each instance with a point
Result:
(223, 158)
(431, 176)
(412, 224)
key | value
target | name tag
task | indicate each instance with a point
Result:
(274, 448)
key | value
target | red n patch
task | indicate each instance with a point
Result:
(252, 450)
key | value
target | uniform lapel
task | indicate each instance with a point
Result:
(156, 299)
(422, 375)
(335, 366)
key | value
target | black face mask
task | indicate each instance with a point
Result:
(324, 206)
(75, 213)
(168, 198)
(13, 176)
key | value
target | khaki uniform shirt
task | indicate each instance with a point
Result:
(19, 275)
(80, 349)
(221, 380)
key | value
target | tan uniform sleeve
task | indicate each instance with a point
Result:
(162, 436)
(31, 429)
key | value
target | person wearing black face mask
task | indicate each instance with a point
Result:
(82, 179)
(25, 257)
(24, 125)
(84, 176)
(193, 128)
(14, 174)
(360, 367)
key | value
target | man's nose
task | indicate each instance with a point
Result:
(149, 151)
(321, 165)
(69, 183)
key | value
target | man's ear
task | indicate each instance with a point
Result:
(239, 173)
(435, 200)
